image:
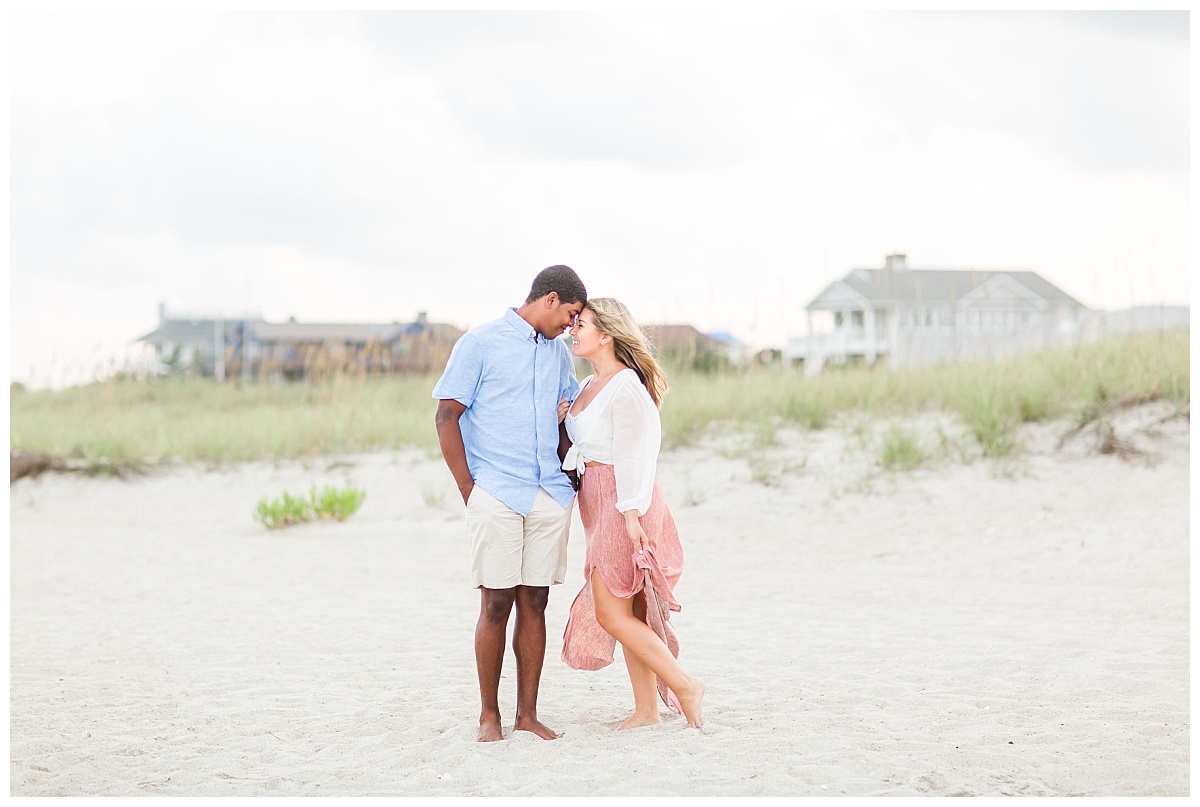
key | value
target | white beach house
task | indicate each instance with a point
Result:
(910, 317)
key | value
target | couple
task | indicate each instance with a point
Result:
(511, 418)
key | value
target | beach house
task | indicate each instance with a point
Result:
(298, 350)
(197, 344)
(907, 317)
(686, 346)
(252, 347)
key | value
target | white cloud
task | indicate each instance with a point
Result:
(719, 169)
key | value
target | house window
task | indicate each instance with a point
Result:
(856, 319)
(838, 316)
(1025, 320)
(945, 317)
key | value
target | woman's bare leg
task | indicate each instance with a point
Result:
(643, 679)
(637, 638)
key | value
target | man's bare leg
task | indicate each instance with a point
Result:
(490, 632)
(529, 642)
(643, 679)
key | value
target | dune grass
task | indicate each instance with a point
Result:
(901, 450)
(992, 398)
(199, 419)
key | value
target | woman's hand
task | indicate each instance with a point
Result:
(633, 528)
(564, 406)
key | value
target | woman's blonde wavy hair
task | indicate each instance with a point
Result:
(629, 343)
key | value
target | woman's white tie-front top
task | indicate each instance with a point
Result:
(619, 427)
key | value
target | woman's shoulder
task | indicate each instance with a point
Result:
(626, 380)
(631, 386)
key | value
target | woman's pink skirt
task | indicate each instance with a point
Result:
(587, 646)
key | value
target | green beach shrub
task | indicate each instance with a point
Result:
(283, 512)
(287, 510)
(337, 504)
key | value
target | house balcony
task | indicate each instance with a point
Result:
(850, 342)
(841, 343)
(841, 346)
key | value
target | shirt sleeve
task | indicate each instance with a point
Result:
(464, 371)
(568, 386)
(637, 436)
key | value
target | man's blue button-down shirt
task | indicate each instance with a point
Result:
(511, 379)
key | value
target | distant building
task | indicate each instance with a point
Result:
(736, 352)
(1146, 318)
(196, 344)
(252, 347)
(684, 346)
(912, 317)
(295, 350)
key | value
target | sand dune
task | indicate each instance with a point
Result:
(1018, 628)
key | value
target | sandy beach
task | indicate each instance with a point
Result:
(967, 628)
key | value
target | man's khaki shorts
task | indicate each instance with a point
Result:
(508, 550)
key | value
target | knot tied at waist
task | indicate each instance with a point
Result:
(572, 460)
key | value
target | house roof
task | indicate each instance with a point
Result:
(199, 330)
(937, 285)
(433, 331)
(326, 331)
(673, 337)
(352, 333)
(725, 338)
(190, 330)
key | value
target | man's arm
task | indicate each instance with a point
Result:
(453, 450)
(564, 443)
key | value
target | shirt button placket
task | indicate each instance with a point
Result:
(537, 419)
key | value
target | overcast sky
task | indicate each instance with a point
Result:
(717, 169)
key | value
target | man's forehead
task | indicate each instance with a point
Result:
(575, 308)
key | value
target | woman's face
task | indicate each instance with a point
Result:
(585, 339)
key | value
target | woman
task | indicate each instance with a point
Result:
(633, 555)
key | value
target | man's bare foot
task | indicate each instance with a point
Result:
(489, 730)
(638, 720)
(537, 727)
(693, 703)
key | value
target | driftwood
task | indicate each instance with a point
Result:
(23, 463)
(30, 463)
(1110, 443)
(1110, 430)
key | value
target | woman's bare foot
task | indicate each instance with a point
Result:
(537, 727)
(693, 703)
(490, 731)
(638, 720)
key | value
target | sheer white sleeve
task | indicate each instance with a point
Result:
(637, 436)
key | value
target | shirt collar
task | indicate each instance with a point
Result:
(522, 327)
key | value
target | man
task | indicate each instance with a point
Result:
(498, 426)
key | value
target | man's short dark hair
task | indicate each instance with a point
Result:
(559, 279)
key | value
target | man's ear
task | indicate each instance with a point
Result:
(551, 299)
